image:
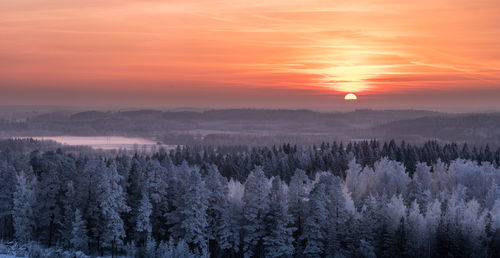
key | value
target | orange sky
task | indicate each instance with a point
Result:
(251, 53)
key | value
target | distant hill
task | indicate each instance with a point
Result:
(479, 128)
(90, 115)
(247, 126)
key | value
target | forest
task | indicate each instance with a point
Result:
(355, 199)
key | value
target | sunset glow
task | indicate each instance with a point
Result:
(200, 53)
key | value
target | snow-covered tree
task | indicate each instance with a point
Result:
(149, 249)
(278, 241)
(495, 215)
(353, 181)
(49, 189)
(298, 191)
(192, 213)
(492, 195)
(391, 177)
(256, 206)
(474, 224)
(315, 234)
(337, 214)
(156, 183)
(218, 213)
(432, 218)
(417, 229)
(165, 249)
(441, 180)
(111, 203)
(235, 214)
(423, 175)
(396, 210)
(79, 239)
(7, 188)
(143, 224)
(23, 214)
(171, 249)
(69, 206)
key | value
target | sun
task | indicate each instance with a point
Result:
(351, 96)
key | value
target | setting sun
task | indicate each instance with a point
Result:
(351, 96)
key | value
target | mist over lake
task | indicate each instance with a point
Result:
(100, 142)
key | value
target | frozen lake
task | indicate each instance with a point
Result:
(103, 142)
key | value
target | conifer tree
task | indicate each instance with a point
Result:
(191, 211)
(278, 241)
(219, 227)
(256, 206)
(23, 214)
(7, 189)
(315, 234)
(79, 239)
(143, 224)
(297, 198)
(111, 201)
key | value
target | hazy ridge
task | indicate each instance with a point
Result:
(258, 126)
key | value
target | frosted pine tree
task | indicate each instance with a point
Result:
(182, 250)
(417, 229)
(432, 217)
(395, 210)
(111, 201)
(279, 239)
(370, 220)
(495, 227)
(495, 215)
(492, 195)
(234, 214)
(79, 239)
(338, 215)
(401, 243)
(143, 224)
(391, 177)
(150, 247)
(134, 189)
(24, 199)
(69, 204)
(219, 227)
(165, 249)
(48, 209)
(423, 175)
(315, 234)
(297, 199)
(7, 188)
(87, 187)
(156, 185)
(352, 179)
(473, 224)
(191, 211)
(256, 206)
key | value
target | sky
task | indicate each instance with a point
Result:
(427, 54)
